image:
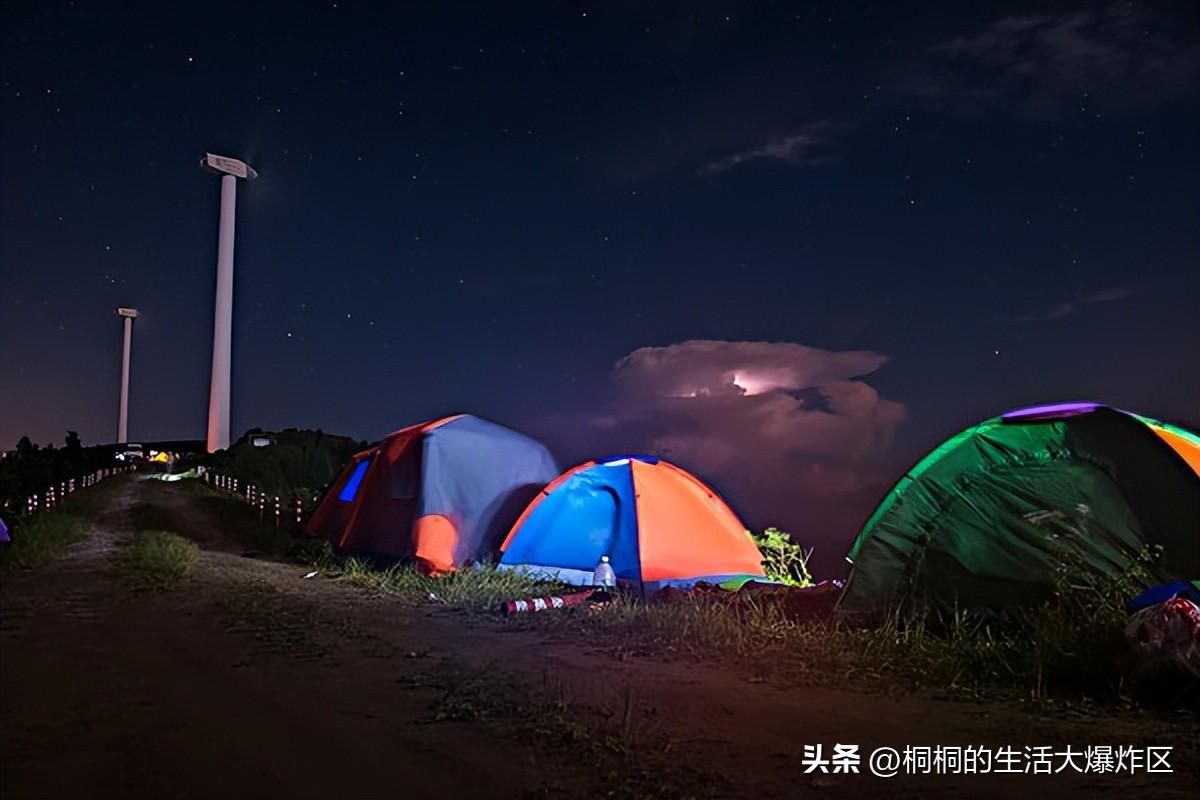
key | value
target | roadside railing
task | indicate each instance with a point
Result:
(55, 493)
(283, 509)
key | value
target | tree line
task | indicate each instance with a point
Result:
(31, 469)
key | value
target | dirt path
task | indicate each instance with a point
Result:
(250, 680)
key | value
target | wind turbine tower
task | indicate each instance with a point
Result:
(230, 169)
(130, 314)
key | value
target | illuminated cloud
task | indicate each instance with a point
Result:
(778, 424)
(703, 368)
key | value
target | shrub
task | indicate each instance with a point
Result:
(783, 559)
(37, 538)
(158, 559)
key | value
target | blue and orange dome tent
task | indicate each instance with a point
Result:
(658, 524)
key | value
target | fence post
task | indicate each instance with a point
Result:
(299, 509)
(276, 511)
(262, 502)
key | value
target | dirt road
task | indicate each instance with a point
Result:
(249, 680)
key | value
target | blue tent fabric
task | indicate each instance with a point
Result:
(4, 532)
(480, 476)
(1164, 592)
(597, 505)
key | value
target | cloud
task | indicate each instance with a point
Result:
(1074, 306)
(796, 149)
(1047, 65)
(756, 405)
(704, 368)
(792, 435)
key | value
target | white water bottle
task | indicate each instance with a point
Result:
(604, 577)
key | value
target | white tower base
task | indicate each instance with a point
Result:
(123, 420)
(218, 398)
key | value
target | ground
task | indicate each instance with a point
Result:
(250, 679)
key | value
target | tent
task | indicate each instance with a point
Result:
(987, 518)
(4, 537)
(659, 525)
(443, 492)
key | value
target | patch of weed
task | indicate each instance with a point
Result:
(157, 559)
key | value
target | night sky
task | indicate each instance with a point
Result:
(788, 245)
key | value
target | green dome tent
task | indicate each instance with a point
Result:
(986, 519)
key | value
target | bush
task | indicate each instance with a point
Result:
(783, 560)
(41, 537)
(158, 559)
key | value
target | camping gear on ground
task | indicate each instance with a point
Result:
(1169, 631)
(991, 516)
(659, 524)
(532, 604)
(1164, 592)
(4, 537)
(604, 575)
(444, 492)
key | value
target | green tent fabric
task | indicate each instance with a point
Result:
(986, 519)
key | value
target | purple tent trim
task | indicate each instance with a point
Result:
(1050, 411)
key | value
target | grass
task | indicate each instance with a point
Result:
(41, 537)
(157, 559)
(1070, 649)
(46, 535)
(482, 588)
